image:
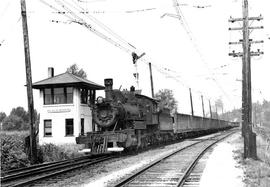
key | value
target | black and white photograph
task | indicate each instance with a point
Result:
(145, 93)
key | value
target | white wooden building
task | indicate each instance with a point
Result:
(64, 107)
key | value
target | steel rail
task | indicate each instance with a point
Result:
(54, 171)
(12, 171)
(130, 178)
(43, 169)
(195, 161)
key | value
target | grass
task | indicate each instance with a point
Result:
(263, 164)
(263, 149)
(257, 172)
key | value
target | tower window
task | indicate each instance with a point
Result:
(48, 127)
(59, 96)
(84, 96)
(62, 95)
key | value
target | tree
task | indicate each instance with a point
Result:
(2, 116)
(74, 69)
(167, 100)
(20, 112)
(13, 122)
(233, 115)
(266, 104)
(257, 111)
(266, 116)
(18, 119)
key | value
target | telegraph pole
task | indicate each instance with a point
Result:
(254, 115)
(210, 109)
(151, 80)
(216, 111)
(203, 106)
(191, 103)
(33, 146)
(249, 136)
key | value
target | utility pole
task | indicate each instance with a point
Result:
(33, 146)
(151, 80)
(216, 111)
(210, 109)
(203, 106)
(222, 110)
(249, 137)
(191, 103)
(217, 115)
(254, 115)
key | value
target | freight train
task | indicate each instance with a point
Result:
(127, 120)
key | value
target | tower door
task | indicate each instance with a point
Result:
(82, 126)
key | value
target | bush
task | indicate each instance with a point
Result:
(12, 151)
(51, 152)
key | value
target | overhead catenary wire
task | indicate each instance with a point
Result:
(168, 74)
(176, 75)
(108, 12)
(3, 40)
(79, 20)
(191, 37)
(76, 17)
(5, 9)
(106, 28)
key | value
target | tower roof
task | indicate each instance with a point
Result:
(66, 79)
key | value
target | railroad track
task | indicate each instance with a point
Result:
(174, 169)
(29, 175)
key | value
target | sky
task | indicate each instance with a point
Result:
(190, 52)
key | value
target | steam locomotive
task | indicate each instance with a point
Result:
(128, 120)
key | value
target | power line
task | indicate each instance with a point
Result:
(143, 10)
(190, 35)
(76, 17)
(9, 31)
(167, 74)
(5, 9)
(81, 21)
(106, 28)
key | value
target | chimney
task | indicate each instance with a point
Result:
(50, 72)
(132, 89)
(108, 88)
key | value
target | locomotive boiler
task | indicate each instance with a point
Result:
(115, 112)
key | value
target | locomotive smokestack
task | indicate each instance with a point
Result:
(108, 88)
(132, 89)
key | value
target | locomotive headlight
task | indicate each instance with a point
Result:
(100, 100)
